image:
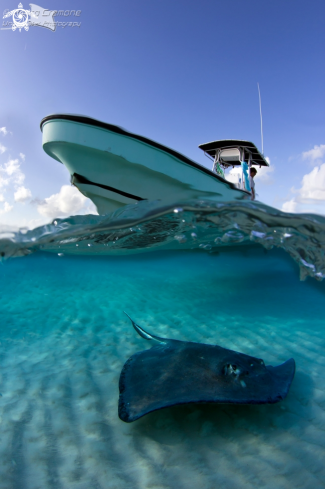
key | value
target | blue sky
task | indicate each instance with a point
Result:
(179, 72)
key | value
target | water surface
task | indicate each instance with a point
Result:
(64, 339)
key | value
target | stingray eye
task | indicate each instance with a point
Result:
(226, 369)
(230, 369)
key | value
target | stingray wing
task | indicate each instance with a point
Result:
(180, 372)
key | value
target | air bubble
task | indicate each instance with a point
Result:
(205, 246)
(257, 234)
(181, 238)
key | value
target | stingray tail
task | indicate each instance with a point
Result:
(144, 334)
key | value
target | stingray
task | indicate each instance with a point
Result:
(176, 372)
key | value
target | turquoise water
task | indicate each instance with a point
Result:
(64, 339)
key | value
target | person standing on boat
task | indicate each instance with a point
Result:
(252, 174)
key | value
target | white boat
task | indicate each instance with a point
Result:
(114, 167)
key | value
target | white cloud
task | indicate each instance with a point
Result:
(2, 149)
(265, 173)
(35, 223)
(3, 181)
(11, 167)
(234, 175)
(22, 194)
(3, 130)
(311, 196)
(290, 206)
(315, 154)
(6, 208)
(12, 178)
(313, 185)
(22, 156)
(12, 173)
(69, 201)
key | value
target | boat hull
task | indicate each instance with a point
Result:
(115, 168)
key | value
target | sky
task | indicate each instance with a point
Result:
(180, 72)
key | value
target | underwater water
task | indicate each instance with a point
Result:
(226, 275)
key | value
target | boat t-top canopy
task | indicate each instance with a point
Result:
(231, 152)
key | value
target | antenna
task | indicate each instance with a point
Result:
(259, 96)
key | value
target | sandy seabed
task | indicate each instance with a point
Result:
(64, 340)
